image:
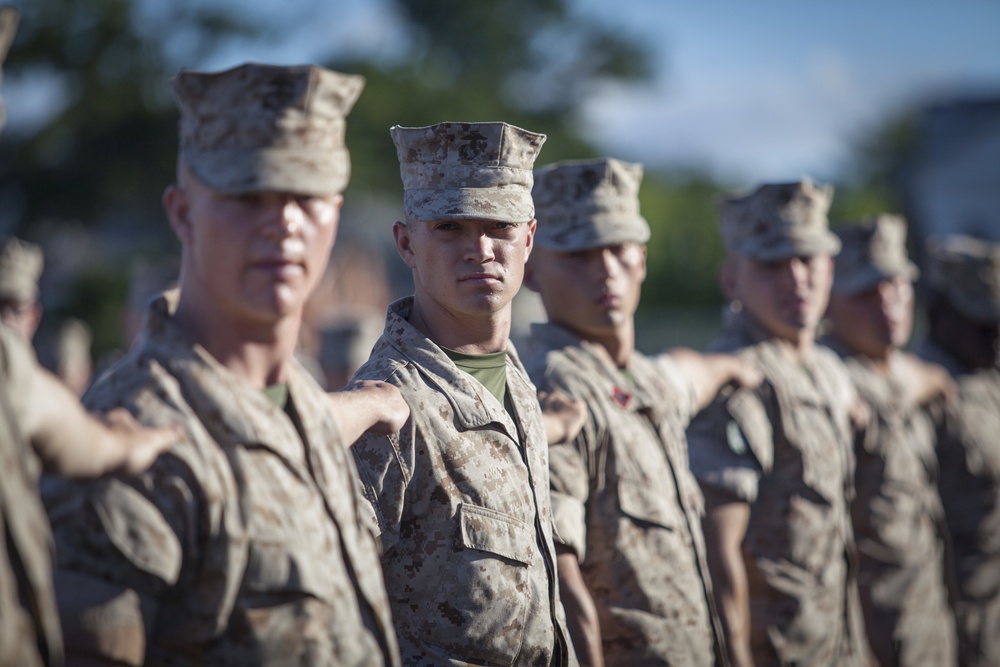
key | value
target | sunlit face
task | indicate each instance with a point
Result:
(593, 292)
(787, 296)
(257, 256)
(875, 321)
(468, 268)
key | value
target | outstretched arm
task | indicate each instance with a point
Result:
(73, 443)
(368, 405)
(710, 372)
(725, 526)
(581, 612)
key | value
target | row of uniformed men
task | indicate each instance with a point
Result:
(251, 541)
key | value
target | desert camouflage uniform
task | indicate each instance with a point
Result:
(29, 623)
(784, 448)
(247, 534)
(460, 500)
(899, 524)
(625, 501)
(969, 482)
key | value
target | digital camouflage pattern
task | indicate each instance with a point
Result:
(460, 500)
(463, 171)
(778, 221)
(247, 534)
(266, 127)
(785, 448)
(625, 501)
(588, 204)
(29, 621)
(966, 271)
(903, 571)
(872, 250)
(20, 268)
(969, 483)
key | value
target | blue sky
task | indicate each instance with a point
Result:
(749, 90)
(779, 89)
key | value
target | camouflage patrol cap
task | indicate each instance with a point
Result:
(265, 127)
(8, 26)
(778, 221)
(588, 204)
(872, 251)
(454, 171)
(20, 268)
(966, 271)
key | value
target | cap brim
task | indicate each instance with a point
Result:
(786, 247)
(591, 233)
(429, 204)
(865, 279)
(238, 170)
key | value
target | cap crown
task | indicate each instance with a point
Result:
(872, 250)
(456, 171)
(779, 220)
(265, 127)
(20, 268)
(588, 204)
(966, 271)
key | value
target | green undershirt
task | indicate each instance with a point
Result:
(278, 393)
(489, 369)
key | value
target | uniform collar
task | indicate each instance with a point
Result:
(473, 405)
(233, 412)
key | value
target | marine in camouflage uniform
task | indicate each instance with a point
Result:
(903, 574)
(627, 509)
(29, 623)
(460, 498)
(243, 546)
(776, 462)
(963, 274)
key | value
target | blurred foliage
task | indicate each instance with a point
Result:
(873, 180)
(684, 248)
(104, 156)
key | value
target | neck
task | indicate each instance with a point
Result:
(468, 335)
(619, 343)
(257, 352)
(801, 345)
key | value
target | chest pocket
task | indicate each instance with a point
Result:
(809, 428)
(275, 568)
(490, 531)
(645, 504)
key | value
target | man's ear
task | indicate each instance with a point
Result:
(177, 206)
(530, 243)
(404, 242)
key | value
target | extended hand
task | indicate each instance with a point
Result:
(140, 445)
(564, 416)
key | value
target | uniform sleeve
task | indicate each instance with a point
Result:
(383, 482)
(569, 474)
(16, 366)
(684, 391)
(728, 445)
(134, 533)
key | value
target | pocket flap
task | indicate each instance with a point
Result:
(495, 532)
(645, 504)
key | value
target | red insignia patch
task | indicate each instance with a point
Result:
(621, 397)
